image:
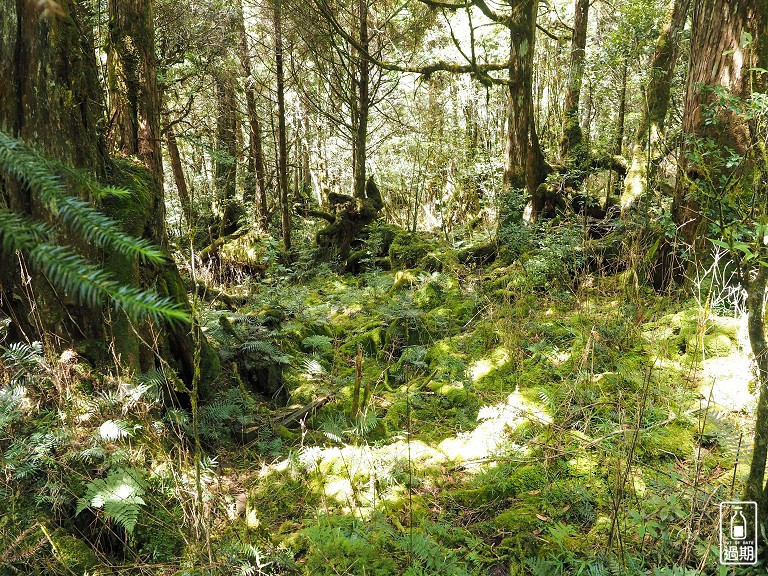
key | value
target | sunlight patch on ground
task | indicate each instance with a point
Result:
(485, 366)
(727, 378)
(490, 435)
(352, 473)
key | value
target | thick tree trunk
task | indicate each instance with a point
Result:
(572, 136)
(135, 131)
(651, 128)
(282, 147)
(720, 60)
(49, 99)
(525, 166)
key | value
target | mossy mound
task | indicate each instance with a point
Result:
(74, 554)
(414, 250)
(248, 253)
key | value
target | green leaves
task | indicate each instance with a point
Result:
(119, 495)
(66, 269)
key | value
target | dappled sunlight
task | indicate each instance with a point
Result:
(365, 474)
(727, 378)
(483, 367)
(490, 434)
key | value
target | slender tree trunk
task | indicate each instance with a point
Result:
(225, 177)
(586, 116)
(756, 328)
(255, 188)
(618, 139)
(282, 147)
(651, 128)
(361, 128)
(572, 136)
(178, 175)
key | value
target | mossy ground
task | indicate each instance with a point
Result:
(506, 429)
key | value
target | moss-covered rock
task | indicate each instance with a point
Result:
(74, 554)
(409, 249)
(247, 253)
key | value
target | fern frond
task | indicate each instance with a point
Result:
(119, 495)
(48, 180)
(71, 272)
(94, 226)
(18, 232)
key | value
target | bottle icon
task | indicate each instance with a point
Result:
(738, 525)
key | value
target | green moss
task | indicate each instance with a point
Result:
(429, 295)
(372, 341)
(340, 545)
(675, 440)
(74, 554)
(408, 250)
(247, 252)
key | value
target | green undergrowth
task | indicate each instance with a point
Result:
(513, 418)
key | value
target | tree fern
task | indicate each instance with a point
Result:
(119, 495)
(65, 268)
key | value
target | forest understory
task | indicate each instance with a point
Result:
(539, 415)
(356, 288)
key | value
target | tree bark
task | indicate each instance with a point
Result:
(651, 127)
(282, 148)
(363, 103)
(226, 154)
(255, 188)
(572, 135)
(50, 100)
(525, 166)
(135, 131)
(756, 328)
(720, 60)
(178, 175)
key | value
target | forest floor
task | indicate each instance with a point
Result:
(511, 419)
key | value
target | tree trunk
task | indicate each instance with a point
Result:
(38, 88)
(50, 97)
(756, 328)
(226, 154)
(651, 128)
(618, 138)
(282, 147)
(256, 179)
(361, 127)
(719, 60)
(525, 165)
(178, 175)
(572, 136)
(135, 131)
